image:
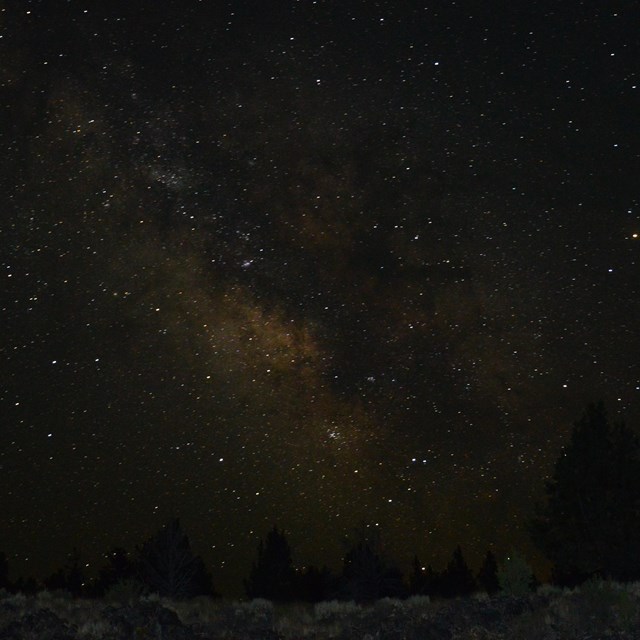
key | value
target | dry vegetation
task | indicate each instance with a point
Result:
(595, 610)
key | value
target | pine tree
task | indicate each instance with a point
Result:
(488, 574)
(590, 523)
(367, 575)
(119, 568)
(272, 575)
(423, 581)
(168, 565)
(4, 571)
(69, 578)
(416, 577)
(457, 579)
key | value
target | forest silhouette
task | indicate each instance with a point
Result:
(588, 526)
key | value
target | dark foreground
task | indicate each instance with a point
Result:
(596, 610)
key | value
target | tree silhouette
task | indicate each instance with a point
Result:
(70, 577)
(202, 581)
(457, 579)
(591, 521)
(272, 575)
(119, 567)
(4, 571)
(27, 585)
(366, 575)
(363, 573)
(423, 581)
(169, 567)
(487, 577)
(416, 577)
(515, 575)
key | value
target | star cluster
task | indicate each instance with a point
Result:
(313, 264)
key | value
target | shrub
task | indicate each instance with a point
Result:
(549, 590)
(96, 630)
(515, 575)
(325, 611)
(125, 592)
(258, 609)
(418, 602)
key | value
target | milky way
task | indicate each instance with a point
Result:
(316, 267)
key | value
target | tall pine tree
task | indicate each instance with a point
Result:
(170, 568)
(272, 575)
(590, 524)
(457, 579)
(488, 574)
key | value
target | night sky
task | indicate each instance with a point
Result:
(309, 263)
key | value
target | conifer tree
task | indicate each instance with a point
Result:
(169, 567)
(367, 574)
(457, 579)
(590, 524)
(488, 574)
(423, 581)
(4, 571)
(272, 575)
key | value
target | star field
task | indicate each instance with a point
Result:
(310, 264)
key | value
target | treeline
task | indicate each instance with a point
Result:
(166, 565)
(589, 526)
